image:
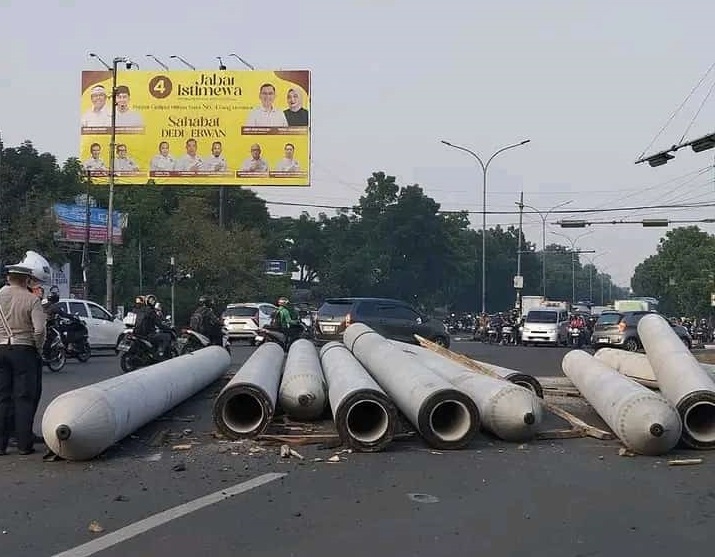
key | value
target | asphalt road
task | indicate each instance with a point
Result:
(574, 497)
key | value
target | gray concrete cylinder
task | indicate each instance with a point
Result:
(509, 411)
(80, 424)
(364, 415)
(302, 390)
(637, 366)
(245, 406)
(642, 419)
(445, 417)
(517, 377)
(681, 380)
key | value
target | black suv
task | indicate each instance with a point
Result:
(619, 329)
(391, 318)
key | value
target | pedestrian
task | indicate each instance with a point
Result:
(22, 335)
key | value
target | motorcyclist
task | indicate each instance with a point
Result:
(578, 322)
(206, 322)
(496, 322)
(54, 310)
(288, 320)
(150, 326)
(130, 319)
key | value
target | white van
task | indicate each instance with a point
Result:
(546, 325)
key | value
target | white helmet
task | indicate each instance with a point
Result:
(38, 265)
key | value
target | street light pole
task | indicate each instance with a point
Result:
(484, 167)
(112, 148)
(573, 260)
(85, 248)
(544, 215)
(177, 57)
(590, 274)
(520, 284)
(110, 211)
(249, 66)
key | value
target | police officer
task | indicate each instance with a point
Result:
(22, 335)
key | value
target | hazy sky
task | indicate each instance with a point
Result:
(590, 83)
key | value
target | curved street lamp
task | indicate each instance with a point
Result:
(573, 241)
(544, 215)
(484, 167)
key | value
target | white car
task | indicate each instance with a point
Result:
(103, 328)
(243, 320)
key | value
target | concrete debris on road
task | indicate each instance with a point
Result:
(95, 527)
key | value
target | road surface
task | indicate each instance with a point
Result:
(574, 497)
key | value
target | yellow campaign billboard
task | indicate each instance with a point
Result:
(209, 128)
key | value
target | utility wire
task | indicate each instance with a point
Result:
(698, 112)
(672, 116)
(558, 211)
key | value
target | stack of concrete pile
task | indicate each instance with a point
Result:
(366, 380)
(364, 415)
(687, 384)
(443, 415)
(507, 410)
(247, 404)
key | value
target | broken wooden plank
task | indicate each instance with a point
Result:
(300, 439)
(571, 433)
(685, 462)
(589, 430)
(459, 358)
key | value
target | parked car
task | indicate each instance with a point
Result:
(393, 319)
(244, 319)
(619, 329)
(103, 327)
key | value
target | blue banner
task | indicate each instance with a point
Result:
(76, 215)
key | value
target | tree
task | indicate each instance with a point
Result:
(681, 274)
(30, 183)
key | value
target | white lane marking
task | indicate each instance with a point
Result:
(132, 530)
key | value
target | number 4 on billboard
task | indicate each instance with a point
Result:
(160, 86)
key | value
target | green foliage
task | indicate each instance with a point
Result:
(395, 243)
(681, 274)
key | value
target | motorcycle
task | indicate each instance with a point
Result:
(53, 353)
(699, 336)
(190, 340)
(268, 334)
(75, 338)
(138, 352)
(507, 335)
(492, 334)
(576, 335)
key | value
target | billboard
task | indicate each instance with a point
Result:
(73, 224)
(241, 128)
(60, 278)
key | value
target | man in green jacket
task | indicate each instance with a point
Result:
(288, 320)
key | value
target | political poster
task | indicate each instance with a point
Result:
(194, 128)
